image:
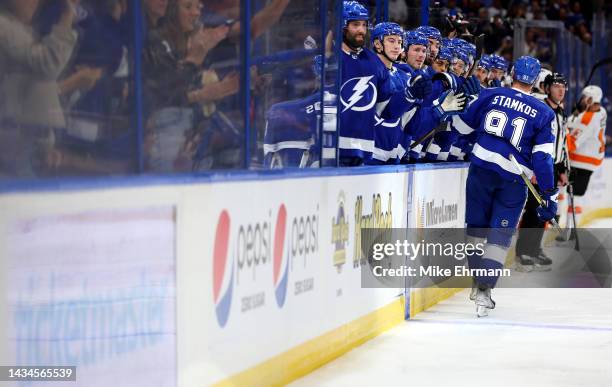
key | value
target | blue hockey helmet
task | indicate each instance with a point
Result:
(498, 62)
(470, 48)
(430, 32)
(485, 62)
(445, 53)
(461, 55)
(353, 10)
(526, 69)
(416, 38)
(386, 29)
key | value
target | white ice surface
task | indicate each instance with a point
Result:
(535, 337)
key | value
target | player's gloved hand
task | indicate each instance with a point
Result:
(471, 86)
(548, 211)
(419, 87)
(449, 103)
(495, 83)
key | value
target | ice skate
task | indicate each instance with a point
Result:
(484, 302)
(541, 262)
(524, 263)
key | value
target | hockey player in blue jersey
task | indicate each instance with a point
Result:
(404, 108)
(508, 121)
(438, 101)
(482, 70)
(387, 42)
(433, 47)
(442, 61)
(459, 64)
(499, 66)
(365, 91)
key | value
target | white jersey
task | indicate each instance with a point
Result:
(586, 142)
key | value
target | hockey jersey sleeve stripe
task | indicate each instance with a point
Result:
(384, 155)
(585, 159)
(268, 148)
(499, 160)
(434, 148)
(356, 143)
(546, 148)
(461, 126)
(454, 151)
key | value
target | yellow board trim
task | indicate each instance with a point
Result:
(423, 299)
(307, 357)
(594, 215)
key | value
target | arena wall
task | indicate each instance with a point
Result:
(199, 281)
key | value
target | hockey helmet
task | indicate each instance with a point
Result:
(386, 29)
(526, 69)
(352, 11)
(593, 92)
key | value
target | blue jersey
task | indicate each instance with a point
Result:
(508, 122)
(291, 132)
(389, 141)
(366, 89)
(439, 148)
(429, 71)
(461, 149)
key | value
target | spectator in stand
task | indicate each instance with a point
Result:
(398, 10)
(98, 138)
(172, 69)
(29, 69)
(497, 9)
(154, 10)
(225, 116)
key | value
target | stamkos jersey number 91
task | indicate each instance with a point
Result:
(509, 121)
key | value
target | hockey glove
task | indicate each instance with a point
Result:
(471, 86)
(420, 87)
(548, 211)
(449, 103)
(495, 83)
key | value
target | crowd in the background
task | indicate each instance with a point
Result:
(68, 102)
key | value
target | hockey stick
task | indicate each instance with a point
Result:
(570, 193)
(479, 42)
(603, 62)
(534, 191)
(423, 138)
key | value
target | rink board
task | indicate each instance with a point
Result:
(195, 283)
(211, 281)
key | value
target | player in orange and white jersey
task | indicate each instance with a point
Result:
(586, 139)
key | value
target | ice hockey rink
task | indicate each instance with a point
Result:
(534, 337)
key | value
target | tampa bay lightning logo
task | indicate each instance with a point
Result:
(360, 99)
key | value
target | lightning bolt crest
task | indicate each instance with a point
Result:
(360, 87)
